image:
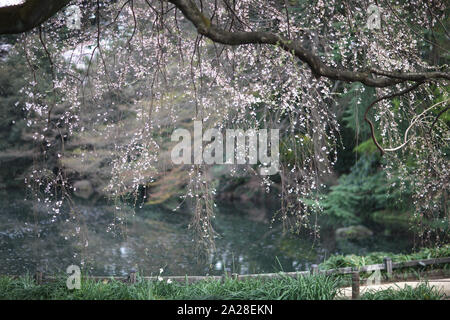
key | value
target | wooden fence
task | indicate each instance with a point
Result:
(388, 266)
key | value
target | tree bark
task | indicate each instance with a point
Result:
(24, 17)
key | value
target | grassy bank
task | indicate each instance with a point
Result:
(317, 287)
(304, 288)
(284, 288)
(422, 292)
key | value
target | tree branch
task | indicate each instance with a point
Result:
(216, 34)
(413, 122)
(389, 96)
(32, 13)
(24, 17)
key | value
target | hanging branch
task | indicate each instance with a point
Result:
(389, 96)
(415, 119)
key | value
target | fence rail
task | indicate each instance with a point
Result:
(387, 266)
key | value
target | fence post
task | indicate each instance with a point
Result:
(388, 265)
(314, 269)
(38, 277)
(355, 285)
(132, 276)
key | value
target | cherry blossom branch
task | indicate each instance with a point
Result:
(208, 29)
(412, 29)
(52, 72)
(415, 119)
(389, 96)
(24, 17)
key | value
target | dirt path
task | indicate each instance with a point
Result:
(440, 284)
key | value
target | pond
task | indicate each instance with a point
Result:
(106, 241)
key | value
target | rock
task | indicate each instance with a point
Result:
(353, 232)
(83, 189)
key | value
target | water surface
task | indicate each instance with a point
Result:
(109, 241)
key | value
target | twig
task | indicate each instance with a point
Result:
(437, 118)
(389, 96)
(415, 119)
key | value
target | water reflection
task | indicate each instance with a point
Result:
(148, 240)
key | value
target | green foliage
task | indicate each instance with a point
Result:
(283, 288)
(421, 292)
(363, 191)
(353, 129)
(367, 147)
(340, 261)
(318, 287)
(356, 100)
(355, 192)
